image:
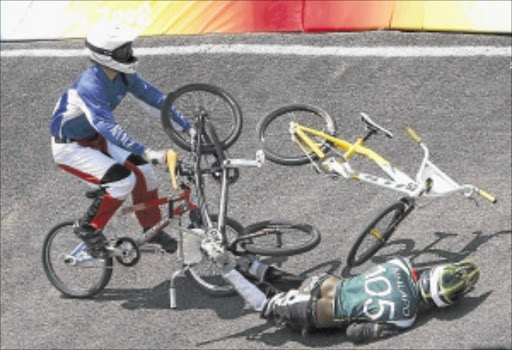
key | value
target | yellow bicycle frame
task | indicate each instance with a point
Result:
(350, 148)
(401, 181)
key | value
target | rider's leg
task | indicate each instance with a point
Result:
(95, 167)
(307, 308)
(146, 189)
(325, 306)
(247, 290)
(268, 278)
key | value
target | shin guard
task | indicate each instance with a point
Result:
(293, 308)
(101, 210)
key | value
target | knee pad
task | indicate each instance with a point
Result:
(136, 160)
(295, 309)
(118, 181)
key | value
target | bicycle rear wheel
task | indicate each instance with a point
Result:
(69, 267)
(376, 234)
(195, 99)
(278, 238)
(206, 275)
(274, 132)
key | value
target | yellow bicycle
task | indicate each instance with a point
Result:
(312, 131)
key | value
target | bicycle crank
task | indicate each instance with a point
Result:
(126, 251)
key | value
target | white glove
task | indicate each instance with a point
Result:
(155, 157)
(192, 132)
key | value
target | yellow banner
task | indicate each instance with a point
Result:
(31, 20)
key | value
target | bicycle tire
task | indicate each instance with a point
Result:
(274, 132)
(95, 274)
(266, 238)
(378, 235)
(226, 116)
(206, 275)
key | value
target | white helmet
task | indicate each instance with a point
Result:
(111, 45)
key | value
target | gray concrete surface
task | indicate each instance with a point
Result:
(460, 106)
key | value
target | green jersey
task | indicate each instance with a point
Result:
(386, 293)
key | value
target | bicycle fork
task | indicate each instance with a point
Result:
(181, 259)
(410, 206)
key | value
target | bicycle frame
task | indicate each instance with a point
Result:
(430, 180)
(206, 129)
(192, 255)
(204, 212)
(187, 205)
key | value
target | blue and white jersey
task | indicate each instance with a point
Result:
(86, 107)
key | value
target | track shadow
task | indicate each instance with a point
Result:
(459, 310)
(187, 297)
(407, 247)
(278, 337)
(320, 268)
(273, 336)
(190, 297)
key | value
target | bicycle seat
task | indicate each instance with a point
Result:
(372, 126)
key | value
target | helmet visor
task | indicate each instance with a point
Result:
(123, 53)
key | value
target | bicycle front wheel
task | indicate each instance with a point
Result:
(278, 238)
(194, 100)
(376, 234)
(206, 275)
(69, 267)
(278, 144)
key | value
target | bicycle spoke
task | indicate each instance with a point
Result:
(275, 134)
(275, 238)
(376, 234)
(68, 265)
(196, 99)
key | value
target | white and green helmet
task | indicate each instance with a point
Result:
(443, 285)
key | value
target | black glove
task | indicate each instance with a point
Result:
(360, 332)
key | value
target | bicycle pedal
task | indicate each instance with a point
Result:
(152, 249)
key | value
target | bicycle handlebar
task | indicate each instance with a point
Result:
(413, 134)
(487, 196)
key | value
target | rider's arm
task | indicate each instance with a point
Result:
(97, 110)
(153, 99)
(365, 331)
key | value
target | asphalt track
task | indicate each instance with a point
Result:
(460, 105)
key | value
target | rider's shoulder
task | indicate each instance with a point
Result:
(403, 263)
(90, 80)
